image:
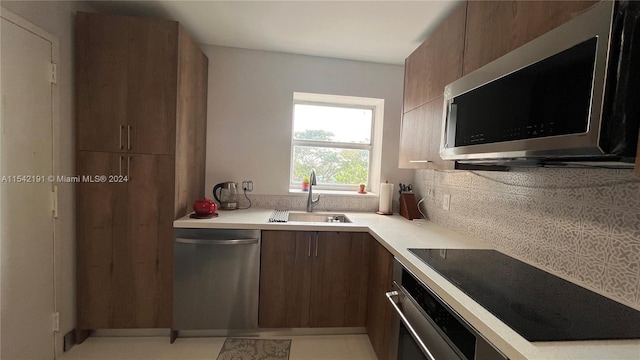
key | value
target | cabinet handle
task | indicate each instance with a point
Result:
(120, 138)
(420, 161)
(128, 137)
(309, 255)
(120, 167)
(316, 244)
(128, 168)
(408, 325)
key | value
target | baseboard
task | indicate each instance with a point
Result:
(69, 340)
(273, 332)
(131, 332)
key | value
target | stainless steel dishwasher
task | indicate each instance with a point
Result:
(216, 279)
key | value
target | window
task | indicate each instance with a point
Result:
(338, 136)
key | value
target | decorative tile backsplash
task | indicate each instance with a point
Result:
(328, 202)
(580, 224)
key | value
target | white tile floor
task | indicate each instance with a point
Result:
(318, 347)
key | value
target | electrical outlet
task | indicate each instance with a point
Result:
(445, 201)
(247, 185)
(430, 192)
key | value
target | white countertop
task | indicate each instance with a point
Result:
(398, 234)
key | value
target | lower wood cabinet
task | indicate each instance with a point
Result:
(125, 241)
(379, 312)
(313, 279)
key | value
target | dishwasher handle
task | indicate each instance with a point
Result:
(406, 322)
(217, 242)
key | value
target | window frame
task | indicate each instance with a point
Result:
(374, 147)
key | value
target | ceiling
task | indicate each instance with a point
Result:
(375, 31)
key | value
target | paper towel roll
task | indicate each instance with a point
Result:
(386, 196)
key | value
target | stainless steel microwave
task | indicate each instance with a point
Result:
(571, 96)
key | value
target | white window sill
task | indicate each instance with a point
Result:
(333, 192)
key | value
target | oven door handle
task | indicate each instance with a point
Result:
(412, 331)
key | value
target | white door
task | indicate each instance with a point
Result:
(26, 221)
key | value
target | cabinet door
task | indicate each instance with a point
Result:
(285, 270)
(339, 280)
(101, 82)
(415, 150)
(379, 312)
(494, 28)
(143, 260)
(153, 68)
(436, 63)
(101, 220)
(420, 138)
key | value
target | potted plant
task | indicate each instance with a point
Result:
(362, 190)
(305, 183)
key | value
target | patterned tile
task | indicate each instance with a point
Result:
(569, 239)
(594, 245)
(591, 272)
(626, 223)
(328, 202)
(626, 195)
(624, 254)
(621, 283)
(566, 263)
(594, 218)
(454, 178)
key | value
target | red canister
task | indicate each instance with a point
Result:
(204, 207)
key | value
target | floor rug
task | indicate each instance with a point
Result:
(255, 349)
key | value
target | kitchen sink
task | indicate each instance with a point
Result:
(318, 217)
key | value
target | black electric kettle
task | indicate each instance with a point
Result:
(227, 195)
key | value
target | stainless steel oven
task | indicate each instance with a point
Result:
(426, 327)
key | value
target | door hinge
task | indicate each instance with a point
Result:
(56, 321)
(53, 73)
(54, 201)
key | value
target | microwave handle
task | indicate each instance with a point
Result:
(450, 126)
(412, 331)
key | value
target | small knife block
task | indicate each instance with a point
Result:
(409, 206)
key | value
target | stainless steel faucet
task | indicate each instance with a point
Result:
(310, 202)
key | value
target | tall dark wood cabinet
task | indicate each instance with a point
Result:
(141, 90)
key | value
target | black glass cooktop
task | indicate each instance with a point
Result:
(536, 304)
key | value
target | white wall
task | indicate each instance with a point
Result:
(58, 18)
(250, 111)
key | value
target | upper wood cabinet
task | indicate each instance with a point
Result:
(420, 137)
(126, 76)
(313, 279)
(495, 28)
(436, 63)
(102, 82)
